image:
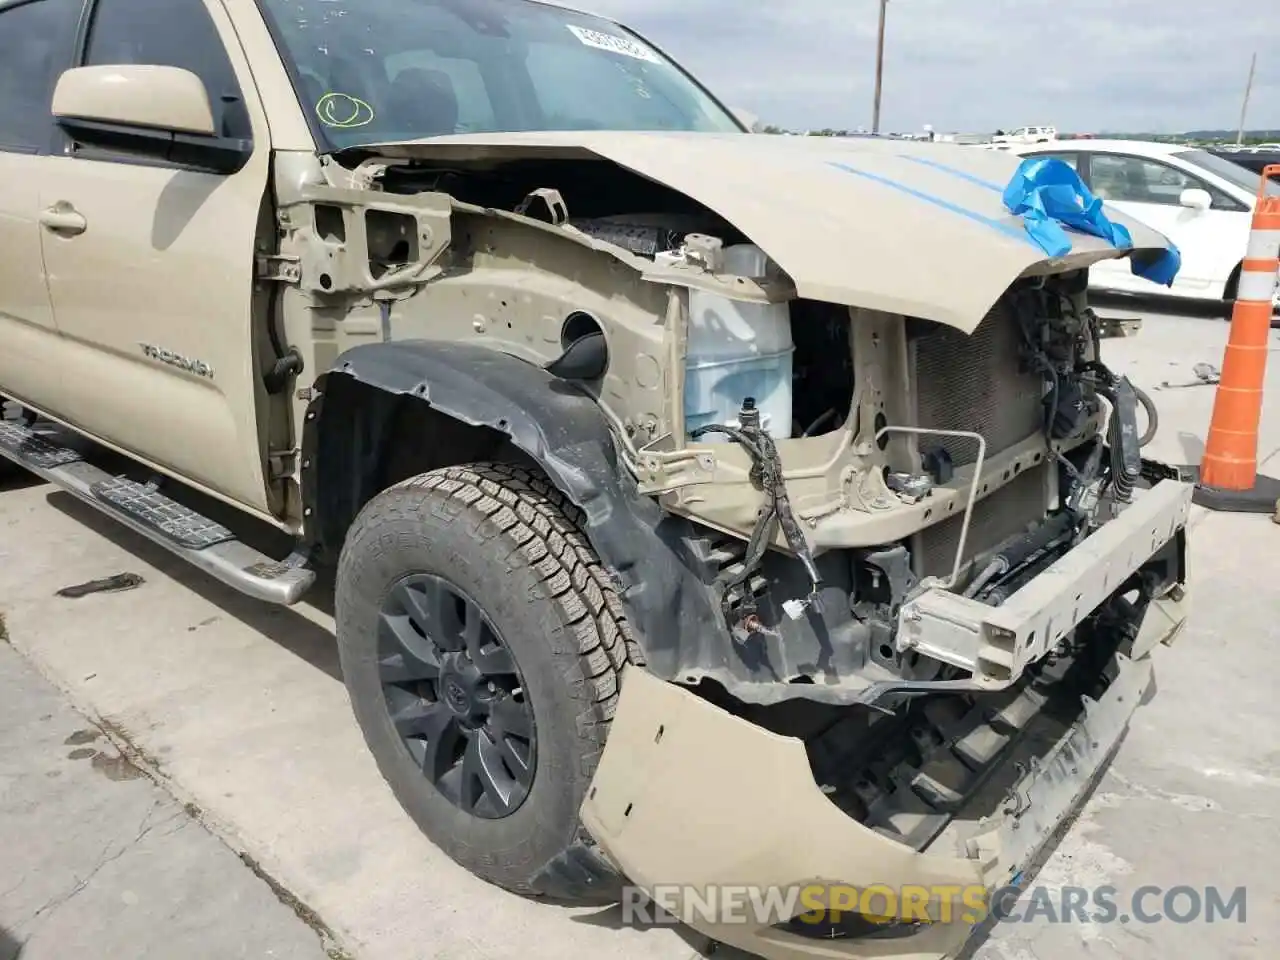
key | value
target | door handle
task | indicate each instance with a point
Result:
(63, 218)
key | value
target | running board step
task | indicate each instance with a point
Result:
(28, 448)
(167, 517)
(195, 538)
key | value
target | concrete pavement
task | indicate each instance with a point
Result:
(98, 861)
(238, 708)
(1166, 350)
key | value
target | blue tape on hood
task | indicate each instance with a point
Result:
(1048, 194)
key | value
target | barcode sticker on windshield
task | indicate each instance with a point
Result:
(613, 44)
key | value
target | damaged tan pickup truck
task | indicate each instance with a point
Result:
(707, 508)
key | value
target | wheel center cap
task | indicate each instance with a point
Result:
(456, 696)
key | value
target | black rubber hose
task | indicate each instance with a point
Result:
(999, 595)
(1021, 548)
(1153, 416)
(1107, 382)
(1017, 551)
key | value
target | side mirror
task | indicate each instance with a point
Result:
(1195, 199)
(157, 111)
(152, 97)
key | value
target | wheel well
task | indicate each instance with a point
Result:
(483, 403)
(452, 443)
(369, 439)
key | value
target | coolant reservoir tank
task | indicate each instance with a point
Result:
(737, 350)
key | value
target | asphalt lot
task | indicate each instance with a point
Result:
(238, 709)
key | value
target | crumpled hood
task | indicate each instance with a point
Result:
(905, 227)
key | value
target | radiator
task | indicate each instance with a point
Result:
(974, 382)
(1011, 509)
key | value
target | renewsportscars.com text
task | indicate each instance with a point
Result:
(880, 903)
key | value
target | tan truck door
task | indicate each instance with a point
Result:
(31, 35)
(151, 268)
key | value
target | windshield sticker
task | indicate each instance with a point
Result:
(613, 44)
(343, 111)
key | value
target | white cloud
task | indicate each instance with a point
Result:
(975, 65)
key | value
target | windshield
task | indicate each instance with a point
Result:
(1232, 172)
(382, 70)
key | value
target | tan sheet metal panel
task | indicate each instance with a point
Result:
(911, 228)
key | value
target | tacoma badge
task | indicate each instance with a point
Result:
(198, 367)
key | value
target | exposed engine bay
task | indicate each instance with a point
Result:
(1086, 478)
(906, 456)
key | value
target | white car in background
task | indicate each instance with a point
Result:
(1202, 202)
(1027, 135)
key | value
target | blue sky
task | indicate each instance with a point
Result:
(975, 65)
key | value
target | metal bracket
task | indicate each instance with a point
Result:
(705, 250)
(555, 205)
(283, 267)
(950, 581)
(1110, 328)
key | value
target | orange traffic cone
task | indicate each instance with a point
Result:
(1229, 477)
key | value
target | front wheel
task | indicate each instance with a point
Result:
(481, 644)
(1229, 295)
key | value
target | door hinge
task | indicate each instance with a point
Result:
(281, 464)
(282, 267)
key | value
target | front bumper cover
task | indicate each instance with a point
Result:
(689, 799)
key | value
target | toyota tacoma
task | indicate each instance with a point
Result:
(704, 507)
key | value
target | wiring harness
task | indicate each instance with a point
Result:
(766, 474)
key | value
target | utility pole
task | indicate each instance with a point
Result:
(875, 113)
(1244, 107)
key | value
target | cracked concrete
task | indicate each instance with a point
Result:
(96, 867)
(240, 708)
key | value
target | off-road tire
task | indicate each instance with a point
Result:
(515, 545)
(1229, 294)
(1229, 299)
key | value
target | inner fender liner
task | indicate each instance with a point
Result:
(559, 426)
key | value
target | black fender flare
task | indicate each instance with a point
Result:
(647, 551)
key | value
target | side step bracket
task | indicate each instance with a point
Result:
(200, 541)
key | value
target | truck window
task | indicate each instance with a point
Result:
(475, 111)
(406, 69)
(36, 38)
(170, 33)
(560, 74)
